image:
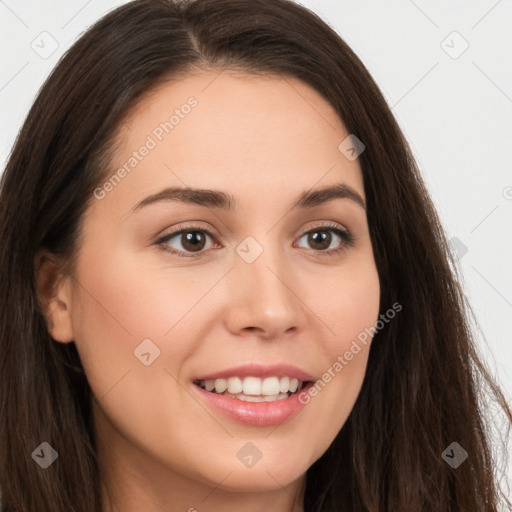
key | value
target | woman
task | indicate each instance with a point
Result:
(228, 287)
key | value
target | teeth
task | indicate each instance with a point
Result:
(294, 384)
(235, 385)
(221, 385)
(261, 398)
(253, 387)
(271, 386)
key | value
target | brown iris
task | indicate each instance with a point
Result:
(320, 237)
(193, 240)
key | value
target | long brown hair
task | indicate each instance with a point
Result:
(425, 382)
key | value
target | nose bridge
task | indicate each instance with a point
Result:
(263, 295)
(261, 264)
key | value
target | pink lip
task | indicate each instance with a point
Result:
(258, 370)
(255, 413)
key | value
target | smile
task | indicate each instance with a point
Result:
(253, 389)
(254, 394)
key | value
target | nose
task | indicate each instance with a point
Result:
(264, 298)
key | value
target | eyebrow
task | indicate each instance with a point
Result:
(221, 200)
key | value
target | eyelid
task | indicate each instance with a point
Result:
(189, 226)
(324, 224)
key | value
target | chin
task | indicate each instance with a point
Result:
(264, 476)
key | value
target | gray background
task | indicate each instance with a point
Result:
(453, 104)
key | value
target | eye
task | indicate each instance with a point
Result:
(322, 241)
(191, 240)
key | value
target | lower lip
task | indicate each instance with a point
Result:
(255, 413)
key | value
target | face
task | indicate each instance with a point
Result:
(252, 285)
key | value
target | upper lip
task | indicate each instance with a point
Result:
(259, 370)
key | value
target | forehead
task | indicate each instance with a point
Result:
(251, 134)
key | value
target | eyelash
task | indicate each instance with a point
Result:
(346, 236)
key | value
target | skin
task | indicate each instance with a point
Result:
(265, 140)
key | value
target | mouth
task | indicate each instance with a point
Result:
(255, 394)
(254, 389)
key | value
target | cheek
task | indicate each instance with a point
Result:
(348, 303)
(349, 308)
(124, 297)
(118, 303)
(122, 300)
(116, 306)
